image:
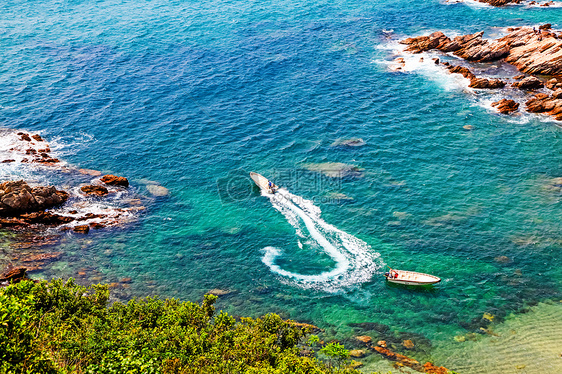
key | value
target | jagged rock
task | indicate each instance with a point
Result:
(535, 53)
(24, 137)
(486, 83)
(530, 52)
(519, 77)
(13, 275)
(542, 103)
(506, 106)
(114, 180)
(464, 71)
(529, 83)
(94, 190)
(37, 137)
(499, 3)
(17, 197)
(546, 26)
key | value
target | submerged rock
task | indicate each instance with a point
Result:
(364, 339)
(157, 190)
(94, 190)
(219, 292)
(82, 229)
(352, 142)
(357, 353)
(335, 169)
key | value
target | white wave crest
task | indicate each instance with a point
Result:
(355, 260)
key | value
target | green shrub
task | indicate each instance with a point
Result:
(61, 327)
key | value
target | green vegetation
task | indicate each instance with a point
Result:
(58, 327)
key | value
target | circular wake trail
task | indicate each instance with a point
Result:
(355, 260)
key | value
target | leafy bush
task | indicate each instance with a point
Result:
(61, 327)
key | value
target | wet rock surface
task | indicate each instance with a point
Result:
(114, 180)
(506, 106)
(18, 197)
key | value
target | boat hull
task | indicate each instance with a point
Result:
(262, 182)
(411, 278)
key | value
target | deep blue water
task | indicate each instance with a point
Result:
(191, 94)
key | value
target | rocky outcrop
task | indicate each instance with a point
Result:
(543, 103)
(531, 51)
(16, 197)
(506, 106)
(113, 180)
(13, 275)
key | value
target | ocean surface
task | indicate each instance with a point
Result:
(193, 95)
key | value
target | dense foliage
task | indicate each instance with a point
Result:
(58, 327)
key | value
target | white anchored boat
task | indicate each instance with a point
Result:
(263, 183)
(411, 278)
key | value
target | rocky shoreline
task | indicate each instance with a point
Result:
(537, 53)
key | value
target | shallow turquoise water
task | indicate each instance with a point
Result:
(189, 94)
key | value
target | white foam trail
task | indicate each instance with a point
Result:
(355, 260)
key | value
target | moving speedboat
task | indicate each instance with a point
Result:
(411, 278)
(264, 183)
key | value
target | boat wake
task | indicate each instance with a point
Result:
(355, 261)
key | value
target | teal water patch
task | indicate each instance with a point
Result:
(189, 95)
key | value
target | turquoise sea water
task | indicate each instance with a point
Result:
(193, 94)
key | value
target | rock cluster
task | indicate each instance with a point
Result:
(16, 197)
(531, 51)
(528, 83)
(534, 52)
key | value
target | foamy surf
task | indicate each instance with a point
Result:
(355, 261)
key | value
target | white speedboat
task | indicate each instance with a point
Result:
(411, 278)
(263, 183)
